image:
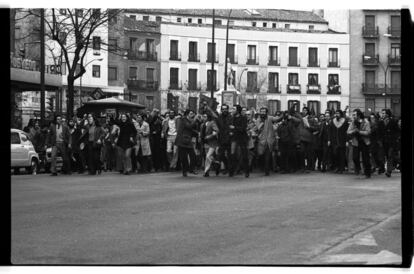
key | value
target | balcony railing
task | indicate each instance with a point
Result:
(194, 57)
(252, 61)
(294, 63)
(370, 32)
(175, 85)
(293, 88)
(274, 62)
(334, 89)
(313, 89)
(381, 89)
(175, 56)
(142, 85)
(210, 59)
(194, 85)
(370, 60)
(273, 89)
(142, 55)
(394, 60)
(313, 64)
(394, 32)
(336, 64)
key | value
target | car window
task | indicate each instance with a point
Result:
(24, 137)
(15, 138)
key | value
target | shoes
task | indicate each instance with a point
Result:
(53, 174)
(247, 175)
(194, 172)
(206, 174)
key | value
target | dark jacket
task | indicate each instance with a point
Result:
(337, 133)
(283, 132)
(185, 131)
(51, 138)
(240, 129)
(126, 131)
(155, 124)
(323, 135)
(391, 132)
(306, 132)
(223, 123)
(99, 134)
(293, 125)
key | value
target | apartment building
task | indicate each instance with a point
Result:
(277, 58)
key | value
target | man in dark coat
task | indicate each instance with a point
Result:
(155, 124)
(377, 147)
(186, 128)
(59, 139)
(337, 137)
(323, 141)
(391, 134)
(224, 121)
(284, 140)
(239, 139)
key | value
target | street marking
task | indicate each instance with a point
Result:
(365, 239)
(383, 257)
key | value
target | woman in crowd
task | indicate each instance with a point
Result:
(125, 142)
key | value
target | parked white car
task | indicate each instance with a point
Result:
(23, 153)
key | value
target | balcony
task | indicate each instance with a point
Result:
(370, 60)
(142, 55)
(210, 59)
(252, 62)
(371, 33)
(334, 89)
(175, 56)
(175, 85)
(313, 64)
(273, 89)
(194, 85)
(313, 89)
(293, 89)
(139, 85)
(294, 63)
(381, 89)
(194, 57)
(336, 64)
(274, 62)
(394, 33)
(394, 60)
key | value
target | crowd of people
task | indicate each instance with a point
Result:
(231, 142)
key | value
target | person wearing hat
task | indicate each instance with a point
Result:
(239, 140)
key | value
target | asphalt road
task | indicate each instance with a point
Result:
(167, 219)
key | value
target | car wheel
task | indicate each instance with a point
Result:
(33, 167)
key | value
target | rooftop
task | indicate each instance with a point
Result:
(141, 26)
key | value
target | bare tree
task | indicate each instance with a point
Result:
(73, 31)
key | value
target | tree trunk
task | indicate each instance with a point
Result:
(70, 97)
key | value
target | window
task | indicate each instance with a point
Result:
(134, 17)
(264, 24)
(192, 103)
(370, 22)
(150, 49)
(200, 21)
(62, 11)
(192, 52)
(132, 43)
(312, 79)
(211, 76)
(333, 79)
(311, 27)
(293, 56)
(395, 25)
(150, 75)
(251, 53)
(334, 105)
(190, 20)
(15, 138)
(173, 78)
(217, 22)
(149, 102)
(287, 26)
(395, 51)
(295, 104)
(293, 79)
(62, 37)
(333, 57)
(253, 24)
(273, 82)
(370, 49)
(231, 22)
(251, 81)
(133, 73)
(158, 18)
(395, 81)
(192, 79)
(273, 54)
(96, 71)
(274, 25)
(314, 107)
(96, 43)
(230, 52)
(178, 19)
(112, 73)
(210, 48)
(112, 15)
(174, 50)
(145, 18)
(77, 69)
(313, 57)
(112, 44)
(273, 106)
(370, 79)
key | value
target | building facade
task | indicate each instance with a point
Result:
(276, 58)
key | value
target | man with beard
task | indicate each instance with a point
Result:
(391, 133)
(360, 129)
(239, 140)
(155, 124)
(337, 137)
(266, 136)
(169, 132)
(224, 121)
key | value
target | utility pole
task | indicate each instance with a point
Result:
(227, 44)
(212, 61)
(42, 64)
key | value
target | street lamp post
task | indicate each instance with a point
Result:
(80, 80)
(385, 69)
